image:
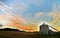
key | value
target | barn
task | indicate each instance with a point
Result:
(46, 29)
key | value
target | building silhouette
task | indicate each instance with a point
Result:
(47, 29)
(44, 29)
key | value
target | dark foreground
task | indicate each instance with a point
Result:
(17, 34)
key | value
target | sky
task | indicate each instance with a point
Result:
(33, 11)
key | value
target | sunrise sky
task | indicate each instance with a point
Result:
(29, 12)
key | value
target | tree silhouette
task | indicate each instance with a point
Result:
(1, 25)
(8, 29)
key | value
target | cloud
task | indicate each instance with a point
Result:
(38, 14)
(1, 16)
(11, 15)
(52, 14)
(19, 19)
(4, 21)
(18, 5)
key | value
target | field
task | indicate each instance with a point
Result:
(18, 34)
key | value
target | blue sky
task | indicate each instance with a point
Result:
(27, 9)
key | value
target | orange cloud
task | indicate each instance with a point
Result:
(22, 20)
(4, 21)
(10, 14)
(14, 23)
(1, 16)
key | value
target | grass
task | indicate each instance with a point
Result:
(17, 34)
